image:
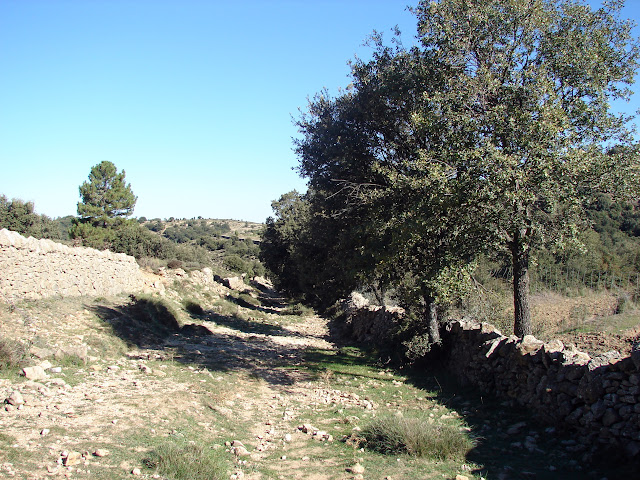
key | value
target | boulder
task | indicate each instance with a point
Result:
(34, 373)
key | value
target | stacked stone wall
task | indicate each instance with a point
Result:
(31, 269)
(596, 398)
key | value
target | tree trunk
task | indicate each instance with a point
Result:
(522, 320)
(432, 322)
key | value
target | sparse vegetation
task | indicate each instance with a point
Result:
(13, 354)
(193, 307)
(188, 461)
(419, 436)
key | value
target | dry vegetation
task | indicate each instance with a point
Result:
(253, 388)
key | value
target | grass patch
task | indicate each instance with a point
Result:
(188, 462)
(416, 436)
(247, 301)
(299, 310)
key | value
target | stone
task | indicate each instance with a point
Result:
(236, 283)
(15, 398)
(34, 373)
(238, 449)
(41, 353)
(356, 469)
(72, 458)
(136, 471)
(308, 429)
(529, 345)
(101, 452)
(462, 477)
(46, 365)
(515, 428)
(610, 417)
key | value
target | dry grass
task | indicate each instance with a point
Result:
(417, 436)
(187, 462)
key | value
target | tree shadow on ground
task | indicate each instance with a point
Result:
(250, 303)
(249, 326)
(509, 442)
(148, 324)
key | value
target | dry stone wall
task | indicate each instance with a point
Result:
(366, 323)
(31, 269)
(596, 398)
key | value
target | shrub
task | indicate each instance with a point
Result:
(298, 309)
(416, 436)
(173, 264)
(188, 462)
(236, 264)
(12, 354)
(154, 313)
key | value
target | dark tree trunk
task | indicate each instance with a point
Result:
(522, 320)
(432, 322)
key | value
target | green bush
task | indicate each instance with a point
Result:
(236, 264)
(395, 435)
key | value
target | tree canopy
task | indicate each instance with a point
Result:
(106, 201)
(489, 136)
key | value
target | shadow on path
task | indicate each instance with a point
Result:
(148, 324)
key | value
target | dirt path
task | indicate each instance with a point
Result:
(105, 403)
(265, 390)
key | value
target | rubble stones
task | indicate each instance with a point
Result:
(595, 397)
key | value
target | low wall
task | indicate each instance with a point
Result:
(31, 269)
(597, 398)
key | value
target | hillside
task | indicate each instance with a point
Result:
(216, 383)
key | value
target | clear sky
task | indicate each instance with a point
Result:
(194, 99)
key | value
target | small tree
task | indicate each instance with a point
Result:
(106, 202)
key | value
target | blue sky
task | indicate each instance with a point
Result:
(194, 99)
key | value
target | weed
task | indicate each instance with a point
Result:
(13, 355)
(416, 436)
(187, 462)
(299, 310)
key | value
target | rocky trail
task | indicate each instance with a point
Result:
(265, 391)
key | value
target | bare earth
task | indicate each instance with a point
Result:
(117, 394)
(234, 382)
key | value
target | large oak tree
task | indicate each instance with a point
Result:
(492, 134)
